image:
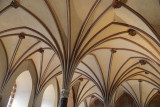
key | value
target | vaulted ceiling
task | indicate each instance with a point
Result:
(102, 48)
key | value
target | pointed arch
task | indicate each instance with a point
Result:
(26, 65)
(125, 100)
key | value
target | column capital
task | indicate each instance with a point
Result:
(64, 93)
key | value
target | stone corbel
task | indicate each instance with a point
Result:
(14, 4)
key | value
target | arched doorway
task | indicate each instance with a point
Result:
(21, 91)
(125, 101)
(97, 103)
(48, 97)
(155, 102)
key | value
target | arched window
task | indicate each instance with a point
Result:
(11, 98)
(48, 97)
(22, 91)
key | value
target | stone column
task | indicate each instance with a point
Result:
(34, 101)
(105, 102)
(64, 98)
(0, 97)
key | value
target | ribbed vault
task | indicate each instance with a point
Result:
(100, 49)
